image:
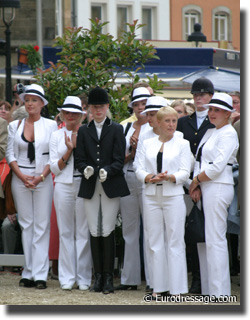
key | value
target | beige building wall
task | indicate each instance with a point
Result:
(207, 13)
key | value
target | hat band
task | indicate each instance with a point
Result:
(72, 106)
(140, 96)
(154, 106)
(34, 91)
(223, 103)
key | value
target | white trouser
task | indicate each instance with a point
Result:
(165, 216)
(75, 261)
(131, 208)
(34, 210)
(213, 255)
(101, 212)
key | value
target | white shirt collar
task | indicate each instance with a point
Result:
(99, 124)
(201, 114)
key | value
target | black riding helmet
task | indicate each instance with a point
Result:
(201, 85)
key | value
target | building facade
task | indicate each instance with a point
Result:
(167, 23)
(220, 20)
(163, 20)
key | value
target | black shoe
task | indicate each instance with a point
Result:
(98, 284)
(126, 287)
(234, 272)
(108, 283)
(166, 294)
(148, 289)
(40, 284)
(195, 287)
(27, 283)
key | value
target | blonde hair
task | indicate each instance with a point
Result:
(62, 117)
(179, 103)
(165, 111)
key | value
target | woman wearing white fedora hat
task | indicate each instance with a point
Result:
(75, 262)
(213, 176)
(32, 187)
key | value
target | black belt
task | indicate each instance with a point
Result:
(228, 164)
(76, 176)
(159, 184)
(130, 170)
(27, 167)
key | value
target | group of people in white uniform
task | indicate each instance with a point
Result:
(141, 169)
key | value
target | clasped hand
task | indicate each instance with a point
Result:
(103, 175)
(88, 172)
(31, 181)
(163, 176)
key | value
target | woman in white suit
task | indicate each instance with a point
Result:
(213, 179)
(28, 156)
(75, 262)
(163, 165)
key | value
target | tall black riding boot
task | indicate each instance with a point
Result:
(196, 279)
(108, 262)
(97, 256)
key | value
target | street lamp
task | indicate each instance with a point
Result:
(8, 15)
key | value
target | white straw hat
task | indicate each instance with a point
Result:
(35, 90)
(72, 104)
(221, 100)
(139, 94)
(155, 103)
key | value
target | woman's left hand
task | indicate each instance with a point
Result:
(68, 142)
(32, 183)
(133, 142)
(192, 187)
(196, 195)
(158, 178)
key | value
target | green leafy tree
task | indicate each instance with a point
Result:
(90, 58)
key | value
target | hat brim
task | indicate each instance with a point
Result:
(130, 105)
(151, 109)
(218, 106)
(71, 110)
(22, 97)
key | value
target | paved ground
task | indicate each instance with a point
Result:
(12, 294)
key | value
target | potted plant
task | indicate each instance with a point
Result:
(30, 55)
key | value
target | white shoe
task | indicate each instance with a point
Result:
(83, 287)
(66, 287)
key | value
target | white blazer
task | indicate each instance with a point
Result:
(218, 154)
(57, 149)
(43, 129)
(147, 135)
(176, 160)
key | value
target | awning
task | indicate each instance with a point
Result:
(164, 73)
(222, 79)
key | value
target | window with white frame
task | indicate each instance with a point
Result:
(191, 18)
(99, 11)
(147, 20)
(222, 24)
(220, 27)
(96, 12)
(191, 14)
(122, 19)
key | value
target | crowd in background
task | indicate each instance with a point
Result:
(73, 175)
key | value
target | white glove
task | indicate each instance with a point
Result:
(88, 172)
(103, 175)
